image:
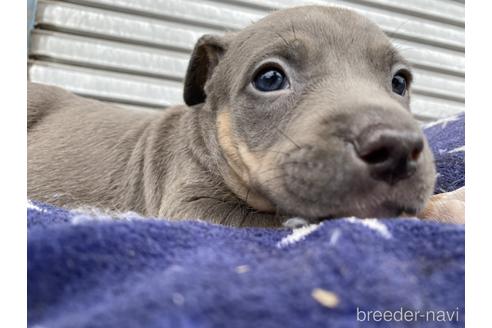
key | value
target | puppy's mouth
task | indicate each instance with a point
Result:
(400, 210)
(316, 204)
(392, 210)
(387, 209)
(319, 189)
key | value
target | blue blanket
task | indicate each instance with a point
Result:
(90, 271)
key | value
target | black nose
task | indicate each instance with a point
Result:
(391, 154)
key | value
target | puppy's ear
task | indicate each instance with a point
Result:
(208, 51)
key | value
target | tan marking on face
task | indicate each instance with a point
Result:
(242, 162)
(229, 145)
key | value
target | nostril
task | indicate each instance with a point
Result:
(417, 149)
(376, 156)
(414, 156)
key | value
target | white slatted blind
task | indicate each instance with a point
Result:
(135, 52)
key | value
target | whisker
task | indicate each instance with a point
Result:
(296, 162)
(243, 219)
(287, 137)
(293, 30)
(276, 217)
(392, 34)
(268, 170)
(283, 39)
(247, 193)
(400, 47)
(269, 151)
(274, 178)
(226, 220)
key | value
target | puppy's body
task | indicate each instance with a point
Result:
(84, 152)
(334, 139)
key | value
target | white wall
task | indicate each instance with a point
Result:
(135, 52)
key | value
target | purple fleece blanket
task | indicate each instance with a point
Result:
(89, 271)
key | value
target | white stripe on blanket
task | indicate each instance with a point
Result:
(297, 235)
(373, 224)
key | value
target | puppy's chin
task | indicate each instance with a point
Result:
(320, 209)
(339, 188)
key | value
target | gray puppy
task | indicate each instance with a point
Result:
(304, 113)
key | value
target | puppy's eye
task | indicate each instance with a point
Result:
(270, 79)
(399, 84)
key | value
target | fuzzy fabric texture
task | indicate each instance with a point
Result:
(447, 141)
(89, 270)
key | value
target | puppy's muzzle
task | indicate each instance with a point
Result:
(390, 154)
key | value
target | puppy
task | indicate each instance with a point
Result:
(304, 113)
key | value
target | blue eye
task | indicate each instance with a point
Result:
(270, 79)
(399, 84)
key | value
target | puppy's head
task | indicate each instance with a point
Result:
(312, 108)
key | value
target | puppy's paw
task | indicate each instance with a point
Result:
(447, 207)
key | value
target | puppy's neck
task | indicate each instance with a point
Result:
(221, 156)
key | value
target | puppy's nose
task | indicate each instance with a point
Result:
(391, 154)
